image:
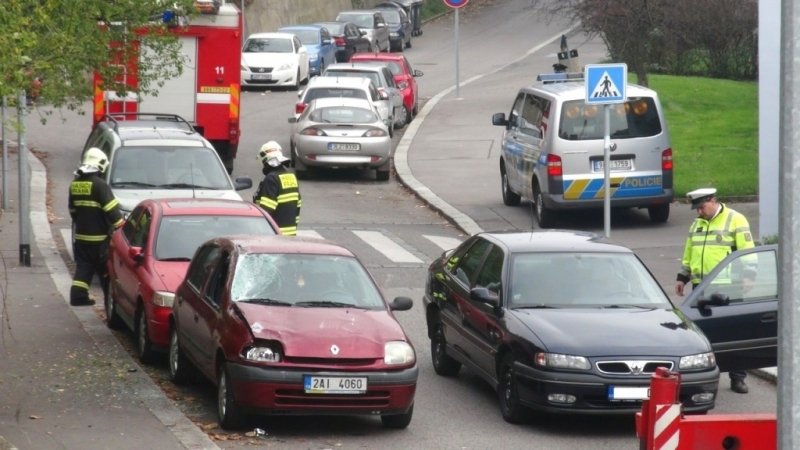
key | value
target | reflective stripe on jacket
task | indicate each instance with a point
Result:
(710, 241)
(93, 208)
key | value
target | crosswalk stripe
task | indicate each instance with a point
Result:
(387, 247)
(444, 242)
(309, 233)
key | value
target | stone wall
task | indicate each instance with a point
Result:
(269, 15)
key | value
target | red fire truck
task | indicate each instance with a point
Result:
(207, 92)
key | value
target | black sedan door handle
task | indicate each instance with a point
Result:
(769, 317)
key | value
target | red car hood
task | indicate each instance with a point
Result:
(311, 332)
(170, 273)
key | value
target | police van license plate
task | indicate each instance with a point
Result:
(334, 385)
(615, 166)
(343, 147)
(616, 393)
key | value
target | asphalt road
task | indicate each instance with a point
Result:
(454, 152)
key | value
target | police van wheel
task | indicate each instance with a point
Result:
(544, 216)
(510, 198)
(659, 213)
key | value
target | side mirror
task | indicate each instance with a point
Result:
(483, 295)
(418, 73)
(136, 254)
(242, 183)
(383, 94)
(401, 304)
(499, 119)
(716, 299)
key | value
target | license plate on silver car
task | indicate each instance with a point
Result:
(615, 166)
(343, 147)
(313, 384)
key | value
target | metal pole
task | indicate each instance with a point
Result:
(24, 187)
(456, 39)
(789, 231)
(5, 154)
(607, 170)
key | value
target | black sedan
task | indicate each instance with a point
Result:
(348, 38)
(562, 321)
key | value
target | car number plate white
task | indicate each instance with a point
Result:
(343, 147)
(262, 76)
(334, 385)
(628, 393)
(616, 165)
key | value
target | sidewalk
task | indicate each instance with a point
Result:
(65, 381)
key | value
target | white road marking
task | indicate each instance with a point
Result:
(387, 247)
(444, 242)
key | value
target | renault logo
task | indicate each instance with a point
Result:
(636, 367)
(334, 350)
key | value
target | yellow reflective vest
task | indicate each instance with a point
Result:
(710, 241)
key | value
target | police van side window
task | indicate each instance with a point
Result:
(532, 113)
(516, 110)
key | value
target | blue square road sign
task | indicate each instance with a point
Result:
(606, 83)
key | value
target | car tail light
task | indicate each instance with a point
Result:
(375, 132)
(554, 168)
(339, 41)
(666, 159)
(299, 107)
(313, 131)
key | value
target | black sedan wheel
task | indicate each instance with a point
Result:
(507, 395)
(443, 363)
(230, 416)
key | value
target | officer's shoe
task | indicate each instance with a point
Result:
(739, 386)
(81, 302)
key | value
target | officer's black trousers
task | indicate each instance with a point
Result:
(90, 259)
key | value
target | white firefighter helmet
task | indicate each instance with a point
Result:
(94, 160)
(271, 154)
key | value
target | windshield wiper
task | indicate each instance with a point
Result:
(176, 258)
(120, 184)
(539, 306)
(327, 304)
(183, 186)
(627, 305)
(266, 301)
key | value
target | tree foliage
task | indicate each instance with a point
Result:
(710, 37)
(63, 42)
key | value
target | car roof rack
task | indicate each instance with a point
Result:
(113, 118)
(559, 77)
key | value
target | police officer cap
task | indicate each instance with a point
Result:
(700, 196)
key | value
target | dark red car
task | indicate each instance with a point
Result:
(291, 325)
(404, 76)
(148, 257)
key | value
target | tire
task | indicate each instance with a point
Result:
(398, 421)
(229, 415)
(510, 197)
(300, 169)
(507, 394)
(113, 320)
(443, 364)
(179, 366)
(297, 81)
(659, 213)
(144, 348)
(408, 43)
(544, 216)
(382, 175)
(409, 115)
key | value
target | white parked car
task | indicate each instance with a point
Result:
(274, 59)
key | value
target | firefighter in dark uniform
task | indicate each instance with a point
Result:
(278, 193)
(95, 214)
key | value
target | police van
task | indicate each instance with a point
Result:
(552, 150)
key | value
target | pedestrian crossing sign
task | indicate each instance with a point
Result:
(606, 83)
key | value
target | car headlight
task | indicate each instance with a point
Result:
(558, 361)
(263, 353)
(286, 66)
(398, 352)
(699, 361)
(244, 68)
(163, 298)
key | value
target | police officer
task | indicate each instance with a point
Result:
(278, 193)
(95, 214)
(715, 233)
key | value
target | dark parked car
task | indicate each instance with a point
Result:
(291, 325)
(400, 28)
(348, 38)
(568, 322)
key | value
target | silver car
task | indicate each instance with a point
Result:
(340, 132)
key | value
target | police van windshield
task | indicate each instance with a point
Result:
(636, 118)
